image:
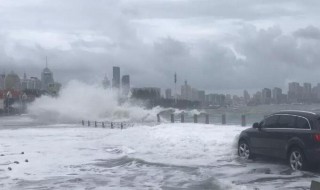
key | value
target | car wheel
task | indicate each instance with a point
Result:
(297, 160)
(244, 150)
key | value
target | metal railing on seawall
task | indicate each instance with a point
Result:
(201, 118)
(113, 125)
(204, 118)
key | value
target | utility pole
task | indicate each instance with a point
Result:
(175, 87)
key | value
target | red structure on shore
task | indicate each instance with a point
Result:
(15, 94)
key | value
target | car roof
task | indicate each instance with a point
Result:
(307, 114)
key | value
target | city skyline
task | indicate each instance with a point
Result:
(214, 45)
(296, 93)
(108, 73)
(180, 82)
(44, 82)
(182, 95)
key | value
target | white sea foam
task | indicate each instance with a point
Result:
(190, 156)
(79, 101)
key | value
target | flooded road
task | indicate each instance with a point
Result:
(166, 156)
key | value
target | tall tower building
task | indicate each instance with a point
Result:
(277, 95)
(246, 96)
(125, 85)
(46, 78)
(186, 91)
(294, 92)
(307, 91)
(116, 78)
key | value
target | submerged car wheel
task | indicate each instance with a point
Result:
(297, 160)
(244, 150)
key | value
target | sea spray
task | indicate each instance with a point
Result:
(79, 101)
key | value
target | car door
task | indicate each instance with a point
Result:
(260, 139)
(280, 135)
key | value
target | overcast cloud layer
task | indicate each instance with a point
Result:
(215, 45)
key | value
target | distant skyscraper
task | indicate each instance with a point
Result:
(175, 87)
(277, 95)
(106, 82)
(186, 91)
(307, 91)
(194, 94)
(202, 96)
(256, 98)
(228, 99)
(295, 92)
(307, 87)
(146, 93)
(246, 96)
(116, 78)
(125, 85)
(46, 78)
(168, 93)
(34, 83)
(316, 92)
(216, 99)
(266, 96)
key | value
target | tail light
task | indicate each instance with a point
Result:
(317, 137)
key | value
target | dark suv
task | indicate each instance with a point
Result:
(291, 135)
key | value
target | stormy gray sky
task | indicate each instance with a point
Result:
(215, 45)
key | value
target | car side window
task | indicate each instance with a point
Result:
(270, 122)
(302, 123)
(286, 121)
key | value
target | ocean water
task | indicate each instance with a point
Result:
(48, 148)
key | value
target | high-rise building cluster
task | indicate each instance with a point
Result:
(192, 94)
(116, 78)
(12, 82)
(125, 83)
(305, 93)
(118, 84)
(187, 93)
(146, 93)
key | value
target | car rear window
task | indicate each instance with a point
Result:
(286, 121)
(302, 123)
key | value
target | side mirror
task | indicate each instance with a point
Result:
(256, 126)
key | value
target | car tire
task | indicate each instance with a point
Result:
(297, 160)
(244, 151)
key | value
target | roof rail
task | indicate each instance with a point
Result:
(299, 111)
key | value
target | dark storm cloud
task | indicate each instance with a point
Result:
(245, 9)
(309, 32)
(214, 45)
